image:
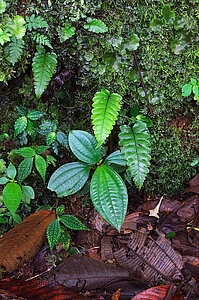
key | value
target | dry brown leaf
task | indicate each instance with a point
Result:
(116, 295)
(157, 293)
(24, 241)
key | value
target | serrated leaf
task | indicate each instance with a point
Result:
(83, 145)
(42, 40)
(65, 238)
(51, 138)
(41, 149)
(21, 110)
(40, 165)
(2, 6)
(69, 178)
(109, 195)
(4, 36)
(20, 125)
(43, 68)
(16, 27)
(12, 196)
(186, 90)
(96, 25)
(4, 180)
(115, 158)
(33, 22)
(26, 152)
(131, 43)
(25, 168)
(53, 233)
(136, 150)
(27, 193)
(104, 114)
(34, 115)
(72, 222)
(55, 147)
(11, 171)
(14, 50)
(31, 129)
(62, 139)
(16, 219)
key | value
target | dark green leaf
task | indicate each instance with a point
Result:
(96, 26)
(31, 129)
(25, 168)
(20, 125)
(167, 13)
(40, 165)
(12, 196)
(62, 139)
(16, 219)
(145, 119)
(41, 149)
(72, 222)
(26, 152)
(60, 210)
(69, 178)
(34, 115)
(21, 110)
(65, 238)
(53, 233)
(109, 195)
(83, 145)
(115, 158)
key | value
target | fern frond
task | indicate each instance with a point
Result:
(33, 22)
(14, 50)
(42, 40)
(135, 144)
(43, 68)
(104, 114)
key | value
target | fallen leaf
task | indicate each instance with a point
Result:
(5, 295)
(157, 293)
(24, 241)
(116, 295)
(154, 212)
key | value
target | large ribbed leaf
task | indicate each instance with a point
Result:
(109, 195)
(83, 145)
(104, 114)
(12, 196)
(115, 158)
(69, 178)
(43, 68)
(136, 150)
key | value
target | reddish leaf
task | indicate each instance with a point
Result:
(24, 241)
(37, 289)
(194, 185)
(9, 296)
(157, 293)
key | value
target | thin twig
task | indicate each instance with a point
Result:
(142, 82)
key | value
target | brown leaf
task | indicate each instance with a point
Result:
(5, 295)
(116, 295)
(194, 185)
(191, 260)
(24, 241)
(157, 293)
(39, 289)
(82, 273)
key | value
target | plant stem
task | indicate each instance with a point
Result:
(142, 82)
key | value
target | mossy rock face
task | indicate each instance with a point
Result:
(164, 36)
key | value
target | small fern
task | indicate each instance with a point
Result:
(33, 22)
(42, 40)
(136, 150)
(14, 50)
(43, 68)
(104, 114)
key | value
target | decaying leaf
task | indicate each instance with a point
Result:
(82, 273)
(194, 185)
(157, 293)
(40, 290)
(24, 241)
(154, 212)
(149, 259)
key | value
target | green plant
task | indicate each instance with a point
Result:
(13, 193)
(26, 124)
(56, 231)
(53, 137)
(188, 88)
(29, 154)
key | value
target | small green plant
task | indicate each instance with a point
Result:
(56, 231)
(14, 193)
(26, 124)
(29, 154)
(53, 137)
(188, 88)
